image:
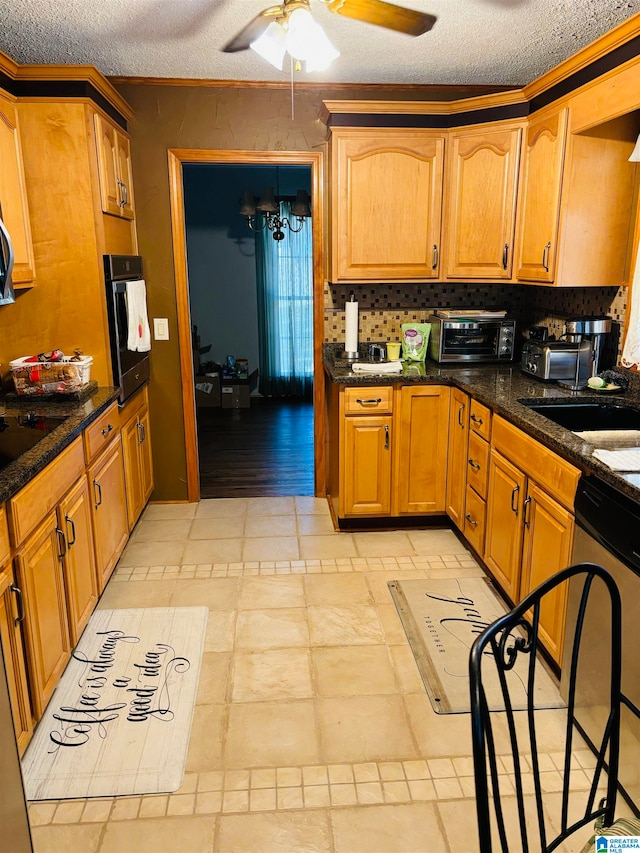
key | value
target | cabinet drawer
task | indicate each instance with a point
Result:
(47, 488)
(475, 513)
(100, 432)
(377, 400)
(480, 419)
(478, 464)
(5, 550)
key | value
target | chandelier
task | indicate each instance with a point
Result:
(265, 213)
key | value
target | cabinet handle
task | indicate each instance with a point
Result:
(514, 496)
(460, 411)
(470, 520)
(545, 256)
(107, 430)
(505, 256)
(386, 436)
(476, 419)
(525, 506)
(97, 491)
(369, 402)
(62, 542)
(434, 265)
(70, 521)
(474, 465)
(125, 194)
(141, 432)
(21, 614)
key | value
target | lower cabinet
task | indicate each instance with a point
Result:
(457, 456)
(46, 628)
(529, 533)
(11, 615)
(108, 509)
(367, 465)
(136, 448)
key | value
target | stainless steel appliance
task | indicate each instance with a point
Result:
(6, 265)
(557, 360)
(470, 336)
(608, 533)
(593, 329)
(130, 367)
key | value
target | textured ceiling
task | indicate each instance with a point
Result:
(501, 42)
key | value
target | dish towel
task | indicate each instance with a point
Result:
(378, 367)
(620, 460)
(139, 334)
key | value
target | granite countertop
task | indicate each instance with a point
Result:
(77, 416)
(501, 387)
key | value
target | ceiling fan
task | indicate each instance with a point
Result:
(377, 12)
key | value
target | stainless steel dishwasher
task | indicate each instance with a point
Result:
(608, 533)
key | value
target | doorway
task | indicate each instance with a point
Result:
(251, 299)
(178, 158)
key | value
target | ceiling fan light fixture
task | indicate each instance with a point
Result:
(308, 42)
(272, 44)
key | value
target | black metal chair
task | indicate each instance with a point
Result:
(514, 811)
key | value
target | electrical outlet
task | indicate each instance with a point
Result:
(161, 328)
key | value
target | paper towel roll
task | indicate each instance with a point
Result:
(351, 327)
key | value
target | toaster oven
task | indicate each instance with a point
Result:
(471, 337)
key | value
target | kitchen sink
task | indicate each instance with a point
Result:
(579, 416)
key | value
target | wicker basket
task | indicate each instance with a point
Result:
(50, 377)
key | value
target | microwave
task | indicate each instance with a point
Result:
(465, 337)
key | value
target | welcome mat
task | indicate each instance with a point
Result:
(441, 619)
(120, 718)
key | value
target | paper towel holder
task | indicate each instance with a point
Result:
(350, 355)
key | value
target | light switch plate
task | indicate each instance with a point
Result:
(161, 328)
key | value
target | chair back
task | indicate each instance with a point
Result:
(530, 796)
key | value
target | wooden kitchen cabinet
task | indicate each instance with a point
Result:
(367, 465)
(114, 168)
(14, 207)
(108, 508)
(480, 202)
(503, 542)
(80, 579)
(386, 201)
(11, 614)
(539, 204)
(457, 456)
(46, 630)
(421, 432)
(477, 475)
(136, 448)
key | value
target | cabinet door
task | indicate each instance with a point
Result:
(548, 542)
(108, 510)
(108, 169)
(81, 582)
(46, 630)
(421, 449)
(503, 540)
(138, 466)
(14, 210)
(457, 456)
(475, 514)
(481, 203)
(387, 199)
(540, 198)
(14, 661)
(367, 466)
(125, 175)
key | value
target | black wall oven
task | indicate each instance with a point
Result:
(130, 367)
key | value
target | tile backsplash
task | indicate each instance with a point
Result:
(383, 308)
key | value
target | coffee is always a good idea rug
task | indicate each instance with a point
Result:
(120, 719)
(441, 619)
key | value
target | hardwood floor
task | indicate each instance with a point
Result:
(261, 451)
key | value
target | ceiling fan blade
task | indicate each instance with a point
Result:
(254, 29)
(383, 14)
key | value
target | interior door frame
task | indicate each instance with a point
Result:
(315, 160)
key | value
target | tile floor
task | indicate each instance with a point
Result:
(312, 730)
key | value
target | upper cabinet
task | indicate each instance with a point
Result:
(480, 202)
(14, 210)
(114, 169)
(386, 197)
(539, 206)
